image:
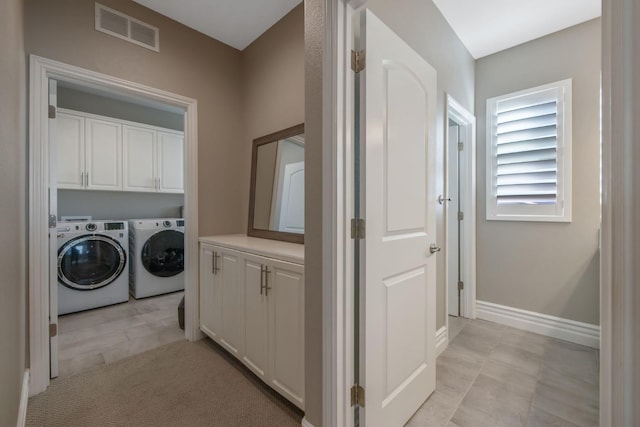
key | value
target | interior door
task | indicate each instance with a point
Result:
(397, 107)
(53, 235)
(453, 228)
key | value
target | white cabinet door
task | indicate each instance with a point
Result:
(210, 300)
(228, 265)
(69, 143)
(285, 292)
(170, 162)
(139, 159)
(256, 347)
(103, 144)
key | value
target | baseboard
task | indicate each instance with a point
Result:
(24, 399)
(442, 340)
(306, 423)
(543, 324)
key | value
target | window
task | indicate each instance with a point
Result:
(529, 154)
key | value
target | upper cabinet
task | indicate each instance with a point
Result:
(100, 153)
(153, 159)
(89, 153)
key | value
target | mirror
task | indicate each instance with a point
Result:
(276, 201)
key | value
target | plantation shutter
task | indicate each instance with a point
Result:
(527, 152)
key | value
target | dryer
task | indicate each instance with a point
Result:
(157, 256)
(92, 263)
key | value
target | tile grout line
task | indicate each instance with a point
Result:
(484, 361)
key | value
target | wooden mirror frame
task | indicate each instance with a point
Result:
(269, 234)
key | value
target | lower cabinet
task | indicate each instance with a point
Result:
(253, 306)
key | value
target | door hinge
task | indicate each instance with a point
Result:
(357, 395)
(53, 330)
(357, 60)
(52, 112)
(357, 228)
(460, 146)
(460, 285)
(460, 216)
(53, 221)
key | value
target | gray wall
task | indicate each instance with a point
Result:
(424, 28)
(189, 64)
(550, 268)
(91, 103)
(119, 204)
(12, 208)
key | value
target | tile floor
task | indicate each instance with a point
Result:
(107, 334)
(492, 375)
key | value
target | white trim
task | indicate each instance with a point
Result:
(543, 324)
(306, 423)
(463, 117)
(337, 211)
(41, 69)
(442, 340)
(24, 400)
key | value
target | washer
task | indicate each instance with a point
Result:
(157, 256)
(92, 263)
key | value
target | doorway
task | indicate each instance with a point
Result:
(460, 214)
(42, 316)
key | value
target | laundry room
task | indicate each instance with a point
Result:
(120, 228)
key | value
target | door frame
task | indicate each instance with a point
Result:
(41, 70)
(467, 122)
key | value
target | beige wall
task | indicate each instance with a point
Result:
(273, 80)
(550, 268)
(423, 27)
(12, 208)
(188, 64)
(313, 231)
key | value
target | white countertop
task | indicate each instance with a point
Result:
(285, 251)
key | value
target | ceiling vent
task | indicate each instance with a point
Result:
(124, 27)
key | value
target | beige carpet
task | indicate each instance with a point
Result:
(180, 384)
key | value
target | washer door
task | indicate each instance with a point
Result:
(163, 253)
(90, 262)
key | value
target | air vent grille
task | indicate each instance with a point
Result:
(124, 27)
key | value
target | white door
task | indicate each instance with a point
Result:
(139, 159)
(292, 199)
(229, 264)
(210, 301)
(103, 156)
(256, 327)
(397, 285)
(284, 286)
(170, 162)
(69, 142)
(53, 235)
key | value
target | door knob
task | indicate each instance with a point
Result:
(433, 248)
(442, 199)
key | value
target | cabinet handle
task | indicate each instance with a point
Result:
(214, 263)
(266, 280)
(261, 278)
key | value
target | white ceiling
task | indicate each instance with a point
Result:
(489, 26)
(234, 22)
(484, 26)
